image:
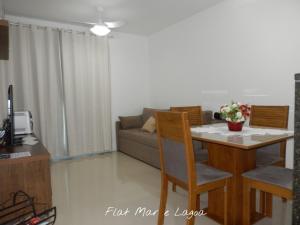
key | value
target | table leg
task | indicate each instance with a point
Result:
(236, 161)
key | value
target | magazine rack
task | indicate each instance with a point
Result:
(20, 210)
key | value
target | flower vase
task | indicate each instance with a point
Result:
(235, 126)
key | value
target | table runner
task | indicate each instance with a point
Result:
(247, 131)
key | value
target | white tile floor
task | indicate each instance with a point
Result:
(84, 189)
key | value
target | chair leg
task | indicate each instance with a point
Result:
(225, 203)
(163, 200)
(269, 205)
(282, 164)
(198, 203)
(246, 202)
(191, 207)
(174, 187)
(262, 203)
(252, 201)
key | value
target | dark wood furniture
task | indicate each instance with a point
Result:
(4, 41)
(235, 154)
(29, 174)
(274, 180)
(178, 164)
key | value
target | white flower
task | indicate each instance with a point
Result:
(238, 121)
(227, 109)
(228, 119)
(234, 105)
(239, 115)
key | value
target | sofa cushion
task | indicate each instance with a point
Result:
(140, 136)
(206, 117)
(128, 122)
(149, 126)
(148, 112)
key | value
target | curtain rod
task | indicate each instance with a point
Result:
(45, 27)
(55, 28)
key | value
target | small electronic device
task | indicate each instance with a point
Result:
(217, 116)
(8, 124)
(23, 123)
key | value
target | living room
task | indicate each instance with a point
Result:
(94, 98)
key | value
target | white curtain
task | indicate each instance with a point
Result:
(63, 79)
(87, 92)
(34, 70)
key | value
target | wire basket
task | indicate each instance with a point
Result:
(20, 210)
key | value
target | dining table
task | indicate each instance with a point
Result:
(235, 152)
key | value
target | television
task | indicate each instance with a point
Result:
(9, 122)
(10, 137)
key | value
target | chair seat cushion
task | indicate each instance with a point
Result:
(268, 155)
(282, 177)
(207, 174)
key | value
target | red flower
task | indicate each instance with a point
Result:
(245, 110)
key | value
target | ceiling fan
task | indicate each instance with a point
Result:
(103, 28)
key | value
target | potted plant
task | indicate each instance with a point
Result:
(235, 114)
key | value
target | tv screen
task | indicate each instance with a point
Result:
(10, 112)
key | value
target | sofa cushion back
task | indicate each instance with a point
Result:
(148, 112)
(207, 117)
(129, 122)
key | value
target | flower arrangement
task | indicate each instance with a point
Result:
(235, 112)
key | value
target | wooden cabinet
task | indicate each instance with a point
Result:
(4, 41)
(29, 174)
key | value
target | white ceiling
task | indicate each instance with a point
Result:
(142, 16)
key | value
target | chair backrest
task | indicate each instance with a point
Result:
(274, 117)
(194, 114)
(269, 116)
(175, 144)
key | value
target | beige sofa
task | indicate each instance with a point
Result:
(142, 145)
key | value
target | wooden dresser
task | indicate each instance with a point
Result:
(29, 174)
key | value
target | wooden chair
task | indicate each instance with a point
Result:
(178, 164)
(273, 117)
(194, 114)
(271, 179)
(195, 119)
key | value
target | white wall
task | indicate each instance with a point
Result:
(243, 50)
(129, 76)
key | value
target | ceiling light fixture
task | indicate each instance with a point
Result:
(100, 30)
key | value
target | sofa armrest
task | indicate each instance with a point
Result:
(118, 128)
